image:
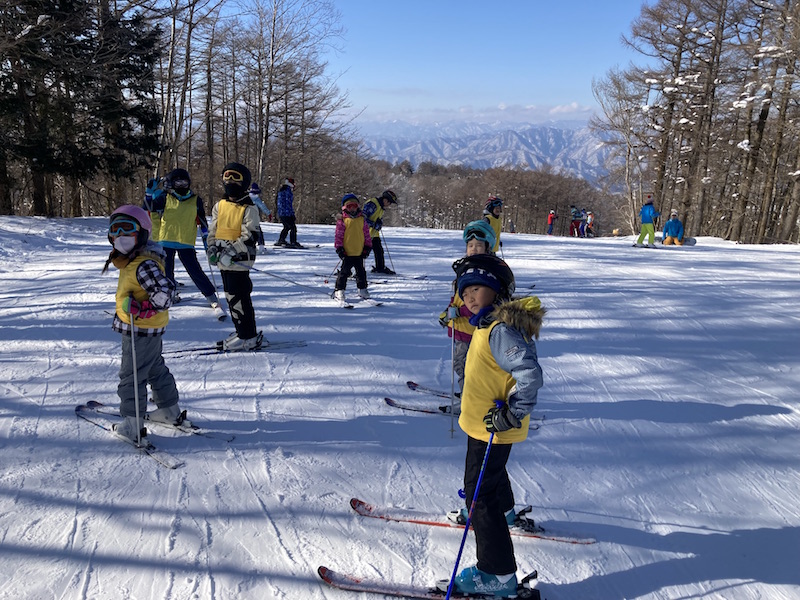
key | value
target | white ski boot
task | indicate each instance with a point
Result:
(171, 415)
(129, 429)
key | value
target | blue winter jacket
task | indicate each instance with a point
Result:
(673, 228)
(285, 200)
(648, 213)
(513, 348)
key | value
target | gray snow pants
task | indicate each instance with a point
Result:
(150, 369)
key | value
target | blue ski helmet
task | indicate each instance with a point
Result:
(480, 230)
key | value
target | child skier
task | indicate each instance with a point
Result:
(551, 220)
(232, 238)
(143, 297)
(284, 200)
(491, 214)
(648, 215)
(501, 384)
(479, 238)
(353, 244)
(575, 221)
(673, 230)
(582, 225)
(590, 224)
(182, 212)
(373, 211)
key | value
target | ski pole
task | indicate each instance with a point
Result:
(135, 375)
(211, 269)
(385, 245)
(332, 272)
(471, 509)
(308, 287)
(453, 381)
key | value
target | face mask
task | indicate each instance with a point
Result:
(125, 243)
(234, 190)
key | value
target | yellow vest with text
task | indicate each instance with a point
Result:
(378, 214)
(353, 242)
(496, 224)
(179, 221)
(128, 284)
(230, 217)
(485, 382)
(155, 219)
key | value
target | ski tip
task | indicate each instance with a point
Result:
(359, 505)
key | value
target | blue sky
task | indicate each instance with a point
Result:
(520, 60)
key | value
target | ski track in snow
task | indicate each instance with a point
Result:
(669, 433)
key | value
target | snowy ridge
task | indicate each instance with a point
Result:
(576, 151)
(670, 392)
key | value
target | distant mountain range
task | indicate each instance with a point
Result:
(567, 147)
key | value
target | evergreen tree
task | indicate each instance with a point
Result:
(75, 94)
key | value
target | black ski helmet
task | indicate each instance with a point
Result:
(179, 181)
(236, 179)
(485, 269)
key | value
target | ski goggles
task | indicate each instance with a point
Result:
(475, 234)
(231, 176)
(123, 227)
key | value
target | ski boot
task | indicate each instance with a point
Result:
(130, 429)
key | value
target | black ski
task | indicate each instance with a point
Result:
(413, 385)
(352, 583)
(106, 422)
(440, 410)
(216, 349)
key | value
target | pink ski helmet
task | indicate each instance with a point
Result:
(134, 213)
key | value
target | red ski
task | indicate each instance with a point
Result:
(401, 515)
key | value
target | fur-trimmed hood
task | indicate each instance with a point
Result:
(524, 314)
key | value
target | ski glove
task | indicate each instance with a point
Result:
(365, 252)
(340, 252)
(449, 314)
(143, 310)
(152, 186)
(500, 419)
(218, 256)
(213, 254)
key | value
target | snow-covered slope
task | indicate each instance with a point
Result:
(670, 431)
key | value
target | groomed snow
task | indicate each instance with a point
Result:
(670, 431)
